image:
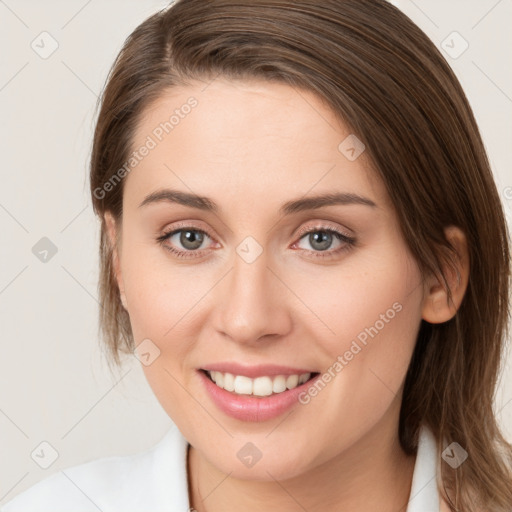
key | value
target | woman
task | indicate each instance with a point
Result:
(303, 244)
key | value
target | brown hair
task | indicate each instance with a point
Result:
(390, 85)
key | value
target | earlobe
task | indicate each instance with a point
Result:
(111, 228)
(437, 308)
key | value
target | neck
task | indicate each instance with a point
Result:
(373, 474)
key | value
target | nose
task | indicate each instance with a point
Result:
(251, 302)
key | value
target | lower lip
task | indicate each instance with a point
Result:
(251, 408)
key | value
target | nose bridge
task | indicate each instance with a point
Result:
(251, 304)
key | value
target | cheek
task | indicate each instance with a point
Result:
(366, 294)
(160, 295)
(375, 317)
(164, 300)
(370, 320)
(161, 305)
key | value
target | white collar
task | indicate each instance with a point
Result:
(424, 496)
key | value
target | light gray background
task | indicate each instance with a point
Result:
(54, 384)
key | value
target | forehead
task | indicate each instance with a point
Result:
(267, 140)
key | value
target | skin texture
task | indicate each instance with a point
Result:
(250, 147)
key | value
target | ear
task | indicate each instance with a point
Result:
(112, 234)
(436, 306)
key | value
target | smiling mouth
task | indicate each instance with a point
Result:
(260, 386)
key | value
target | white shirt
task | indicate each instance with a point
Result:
(155, 480)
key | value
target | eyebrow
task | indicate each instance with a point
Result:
(294, 206)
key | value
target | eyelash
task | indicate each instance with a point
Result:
(342, 237)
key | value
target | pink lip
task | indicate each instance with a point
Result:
(261, 370)
(251, 408)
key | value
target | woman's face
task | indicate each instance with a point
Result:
(263, 280)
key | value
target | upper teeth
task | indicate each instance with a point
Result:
(260, 386)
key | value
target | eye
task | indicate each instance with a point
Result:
(187, 237)
(321, 239)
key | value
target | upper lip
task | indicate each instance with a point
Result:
(260, 370)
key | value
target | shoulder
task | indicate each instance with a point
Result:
(154, 479)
